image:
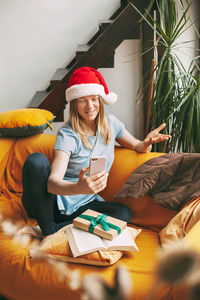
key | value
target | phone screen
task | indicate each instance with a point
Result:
(97, 164)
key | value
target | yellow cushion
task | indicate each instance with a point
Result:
(25, 121)
(56, 246)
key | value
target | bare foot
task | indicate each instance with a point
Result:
(32, 231)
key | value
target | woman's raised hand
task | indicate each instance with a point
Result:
(155, 137)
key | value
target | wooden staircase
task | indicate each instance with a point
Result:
(97, 53)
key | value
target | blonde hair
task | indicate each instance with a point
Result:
(103, 127)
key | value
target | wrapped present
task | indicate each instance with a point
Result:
(100, 224)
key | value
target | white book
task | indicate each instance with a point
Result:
(82, 242)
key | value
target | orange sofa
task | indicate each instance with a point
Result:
(25, 278)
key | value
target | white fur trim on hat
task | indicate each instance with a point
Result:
(86, 89)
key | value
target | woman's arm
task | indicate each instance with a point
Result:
(85, 185)
(129, 141)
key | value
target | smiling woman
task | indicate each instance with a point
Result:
(56, 195)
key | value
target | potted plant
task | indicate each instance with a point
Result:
(174, 91)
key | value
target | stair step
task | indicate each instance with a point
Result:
(38, 98)
(82, 49)
(104, 24)
(58, 75)
(120, 9)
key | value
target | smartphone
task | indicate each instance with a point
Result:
(97, 164)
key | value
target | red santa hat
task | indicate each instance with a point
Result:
(87, 81)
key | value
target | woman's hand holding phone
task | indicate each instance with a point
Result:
(97, 164)
(97, 179)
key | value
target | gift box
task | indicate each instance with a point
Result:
(100, 224)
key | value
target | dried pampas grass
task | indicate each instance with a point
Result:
(96, 287)
(177, 263)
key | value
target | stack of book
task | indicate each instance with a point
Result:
(85, 236)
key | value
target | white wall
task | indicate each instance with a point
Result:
(39, 36)
(186, 51)
(124, 79)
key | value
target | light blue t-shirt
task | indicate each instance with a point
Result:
(79, 157)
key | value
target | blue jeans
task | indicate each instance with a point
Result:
(42, 205)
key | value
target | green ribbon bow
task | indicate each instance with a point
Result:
(102, 220)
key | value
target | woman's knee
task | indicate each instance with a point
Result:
(118, 210)
(125, 213)
(36, 163)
